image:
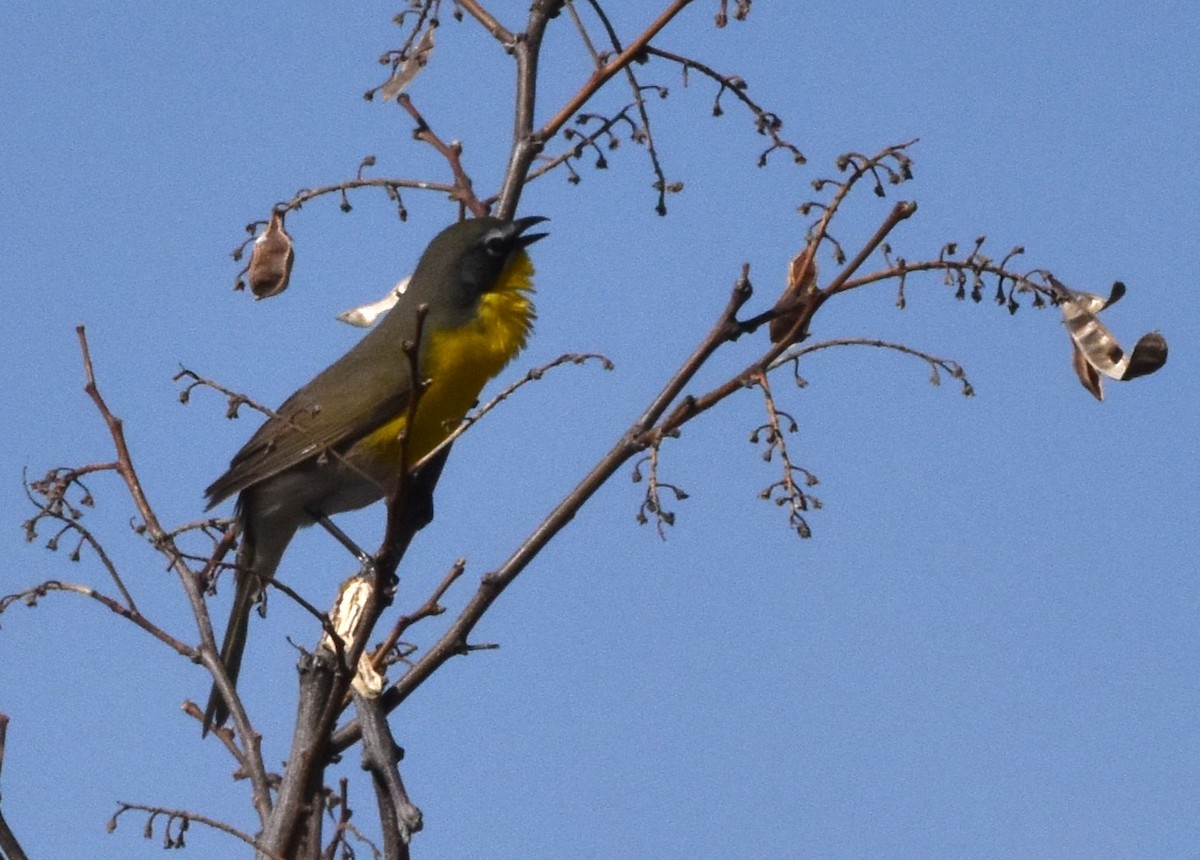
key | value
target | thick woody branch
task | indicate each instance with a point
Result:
(525, 145)
(484, 17)
(326, 675)
(381, 757)
(301, 785)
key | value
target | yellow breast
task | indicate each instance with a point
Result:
(458, 362)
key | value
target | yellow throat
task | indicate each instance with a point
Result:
(458, 362)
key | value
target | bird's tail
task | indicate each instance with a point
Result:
(249, 587)
(255, 566)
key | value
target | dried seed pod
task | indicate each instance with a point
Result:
(802, 283)
(364, 316)
(271, 260)
(1095, 350)
(404, 73)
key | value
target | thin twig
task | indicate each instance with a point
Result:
(452, 152)
(647, 135)
(252, 760)
(430, 608)
(30, 597)
(532, 376)
(765, 122)
(601, 75)
(785, 491)
(652, 505)
(391, 185)
(181, 818)
(53, 488)
(937, 365)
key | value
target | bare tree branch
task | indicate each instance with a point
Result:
(292, 807)
(207, 652)
(452, 152)
(10, 847)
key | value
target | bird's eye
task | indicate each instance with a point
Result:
(496, 245)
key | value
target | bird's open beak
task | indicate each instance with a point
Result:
(523, 224)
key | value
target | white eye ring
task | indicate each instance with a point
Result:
(496, 244)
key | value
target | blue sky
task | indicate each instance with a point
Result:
(989, 646)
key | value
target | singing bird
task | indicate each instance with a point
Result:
(337, 444)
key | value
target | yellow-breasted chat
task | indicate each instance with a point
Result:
(337, 444)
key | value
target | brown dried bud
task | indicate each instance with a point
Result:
(271, 260)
